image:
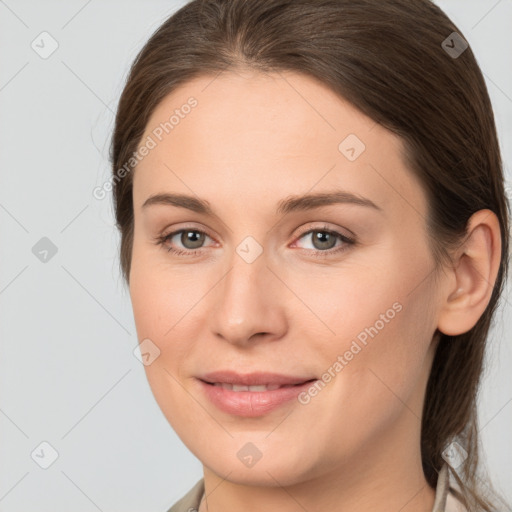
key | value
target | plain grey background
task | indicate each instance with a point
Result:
(68, 374)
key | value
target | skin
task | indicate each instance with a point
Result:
(252, 141)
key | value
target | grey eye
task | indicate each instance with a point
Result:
(191, 239)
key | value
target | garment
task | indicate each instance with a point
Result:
(445, 500)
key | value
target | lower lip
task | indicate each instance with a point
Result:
(251, 403)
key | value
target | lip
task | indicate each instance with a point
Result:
(252, 403)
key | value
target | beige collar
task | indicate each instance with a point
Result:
(445, 500)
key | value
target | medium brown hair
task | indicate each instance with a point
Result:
(387, 59)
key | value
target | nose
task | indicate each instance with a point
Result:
(249, 303)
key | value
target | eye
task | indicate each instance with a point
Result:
(323, 241)
(190, 239)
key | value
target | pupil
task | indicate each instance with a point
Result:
(192, 237)
(325, 240)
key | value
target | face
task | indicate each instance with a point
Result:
(329, 298)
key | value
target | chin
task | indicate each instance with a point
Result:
(271, 469)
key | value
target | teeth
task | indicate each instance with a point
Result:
(236, 387)
(233, 387)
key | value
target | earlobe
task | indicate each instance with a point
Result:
(475, 270)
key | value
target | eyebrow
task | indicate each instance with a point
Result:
(285, 206)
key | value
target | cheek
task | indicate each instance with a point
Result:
(381, 328)
(369, 382)
(166, 304)
(164, 314)
(157, 294)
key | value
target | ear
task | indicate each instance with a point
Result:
(472, 276)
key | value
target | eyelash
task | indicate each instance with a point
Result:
(162, 239)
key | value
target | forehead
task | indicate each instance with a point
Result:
(252, 134)
(290, 114)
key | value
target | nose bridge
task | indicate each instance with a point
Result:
(246, 300)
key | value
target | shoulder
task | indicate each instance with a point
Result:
(190, 502)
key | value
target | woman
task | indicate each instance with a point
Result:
(315, 235)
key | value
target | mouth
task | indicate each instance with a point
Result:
(259, 387)
(254, 394)
(253, 379)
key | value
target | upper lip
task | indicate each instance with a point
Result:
(253, 379)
